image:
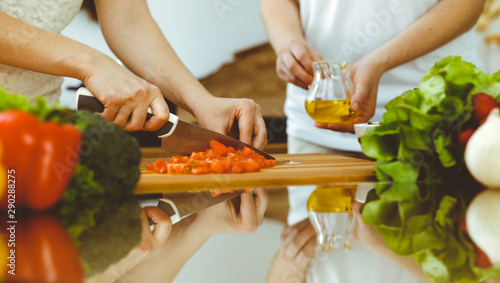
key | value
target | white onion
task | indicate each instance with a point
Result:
(482, 154)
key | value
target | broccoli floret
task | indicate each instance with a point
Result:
(110, 152)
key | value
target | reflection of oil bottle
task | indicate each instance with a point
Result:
(329, 96)
(330, 212)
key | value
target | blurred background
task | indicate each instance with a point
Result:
(224, 45)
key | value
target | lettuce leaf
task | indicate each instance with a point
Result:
(418, 138)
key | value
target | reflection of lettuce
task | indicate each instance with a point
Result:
(422, 221)
(417, 140)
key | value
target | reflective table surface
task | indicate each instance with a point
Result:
(408, 230)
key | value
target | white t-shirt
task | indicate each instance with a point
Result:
(347, 30)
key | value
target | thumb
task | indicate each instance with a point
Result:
(356, 206)
(163, 224)
(161, 113)
(359, 97)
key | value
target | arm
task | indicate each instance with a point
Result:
(444, 22)
(121, 92)
(282, 22)
(136, 39)
(191, 233)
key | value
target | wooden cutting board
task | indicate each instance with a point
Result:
(302, 169)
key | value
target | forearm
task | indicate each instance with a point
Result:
(136, 39)
(282, 22)
(183, 242)
(444, 22)
(27, 47)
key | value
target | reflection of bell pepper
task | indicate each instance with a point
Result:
(44, 252)
(3, 181)
(43, 155)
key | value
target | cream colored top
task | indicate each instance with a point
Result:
(49, 15)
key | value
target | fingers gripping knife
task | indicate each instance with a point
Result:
(180, 206)
(178, 137)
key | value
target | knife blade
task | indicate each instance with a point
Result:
(177, 136)
(184, 205)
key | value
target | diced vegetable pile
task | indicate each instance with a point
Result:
(218, 159)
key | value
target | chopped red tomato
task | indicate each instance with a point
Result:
(218, 159)
(218, 148)
(150, 167)
(250, 165)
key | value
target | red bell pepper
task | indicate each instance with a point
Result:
(42, 155)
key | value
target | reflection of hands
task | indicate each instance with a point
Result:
(151, 243)
(126, 98)
(294, 63)
(219, 115)
(224, 218)
(365, 75)
(298, 243)
(367, 235)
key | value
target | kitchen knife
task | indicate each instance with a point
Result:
(182, 206)
(178, 137)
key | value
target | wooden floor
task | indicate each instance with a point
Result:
(252, 74)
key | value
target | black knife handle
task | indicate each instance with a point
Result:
(85, 100)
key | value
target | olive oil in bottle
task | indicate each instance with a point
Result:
(330, 111)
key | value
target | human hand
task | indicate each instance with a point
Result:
(219, 114)
(298, 243)
(365, 75)
(153, 241)
(226, 218)
(126, 98)
(294, 63)
(367, 235)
